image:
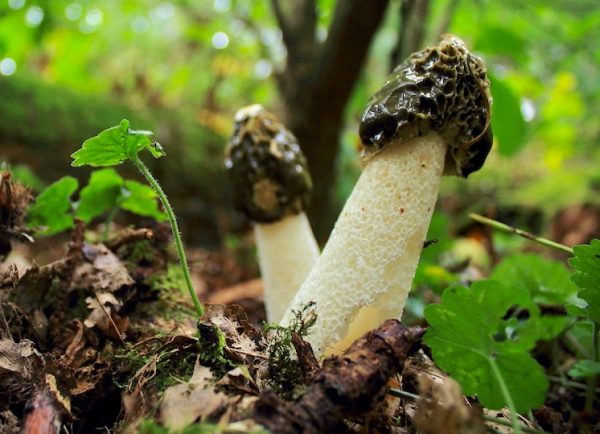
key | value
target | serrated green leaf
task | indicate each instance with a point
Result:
(586, 263)
(100, 195)
(113, 146)
(142, 200)
(469, 333)
(585, 369)
(51, 211)
(546, 280)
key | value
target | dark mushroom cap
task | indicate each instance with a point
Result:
(444, 88)
(266, 167)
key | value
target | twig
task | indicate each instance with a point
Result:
(107, 313)
(512, 230)
(127, 236)
(345, 385)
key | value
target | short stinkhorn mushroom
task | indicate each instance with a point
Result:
(430, 118)
(272, 186)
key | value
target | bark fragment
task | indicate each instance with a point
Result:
(347, 385)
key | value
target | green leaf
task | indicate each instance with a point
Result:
(100, 195)
(548, 281)
(585, 369)
(582, 334)
(469, 334)
(51, 212)
(142, 200)
(497, 40)
(508, 124)
(113, 146)
(106, 190)
(586, 263)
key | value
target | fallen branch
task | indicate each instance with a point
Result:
(346, 386)
(128, 236)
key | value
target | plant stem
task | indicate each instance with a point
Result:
(591, 389)
(512, 230)
(176, 235)
(573, 384)
(505, 392)
(109, 219)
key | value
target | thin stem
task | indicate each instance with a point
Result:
(512, 230)
(176, 235)
(573, 384)
(398, 393)
(591, 386)
(507, 397)
(109, 219)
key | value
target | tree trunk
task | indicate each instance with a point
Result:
(317, 83)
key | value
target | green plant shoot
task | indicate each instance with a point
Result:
(115, 145)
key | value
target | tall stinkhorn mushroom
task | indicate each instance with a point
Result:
(272, 186)
(430, 118)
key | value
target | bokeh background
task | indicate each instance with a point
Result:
(70, 68)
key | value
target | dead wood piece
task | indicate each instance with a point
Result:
(308, 362)
(347, 385)
(128, 236)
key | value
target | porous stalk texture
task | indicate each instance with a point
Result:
(371, 256)
(287, 251)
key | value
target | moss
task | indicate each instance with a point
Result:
(171, 366)
(285, 376)
(212, 345)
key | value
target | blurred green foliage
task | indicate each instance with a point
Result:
(183, 69)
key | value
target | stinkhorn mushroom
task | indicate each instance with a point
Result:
(272, 186)
(431, 117)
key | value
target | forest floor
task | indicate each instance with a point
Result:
(103, 339)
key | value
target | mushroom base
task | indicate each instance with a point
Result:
(287, 251)
(370, 260)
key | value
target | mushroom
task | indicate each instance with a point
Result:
(430, 118)
(272, 186)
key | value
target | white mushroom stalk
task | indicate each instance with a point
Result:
(430, 118)
(272, 187)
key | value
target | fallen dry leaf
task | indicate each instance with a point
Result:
(18, 358)
(185, 403)
(102, 270)
(443, 409)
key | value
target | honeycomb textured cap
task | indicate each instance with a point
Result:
(443, 88)
(266, 167)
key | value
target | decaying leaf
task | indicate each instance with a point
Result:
(104, 306)
(18, 358)
(9, 423)
(187, 402)
(443, 409)
(102, 270)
